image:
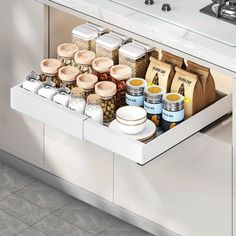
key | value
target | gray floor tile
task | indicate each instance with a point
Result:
(4, 193)
(55, 226)
(31, 232)
(44, 196)
(11, 179)
(87, 217)
(10, 226)
(124, 229)
(22, 209)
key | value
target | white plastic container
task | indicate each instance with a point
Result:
(48, 90)
(62, 97)
(32, 83)
(124, 38)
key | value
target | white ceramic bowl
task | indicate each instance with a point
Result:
(131, 129)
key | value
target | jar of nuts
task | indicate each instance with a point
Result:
(108, 45)
(119, 75)
(66, 52)
(83, 61)
(101, 67)
(133, 56)
(107, 90)
(50, 68)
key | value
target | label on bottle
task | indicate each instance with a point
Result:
(152, 108)
(134, 100)
(171, 116)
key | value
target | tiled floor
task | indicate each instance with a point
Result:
(30, 208)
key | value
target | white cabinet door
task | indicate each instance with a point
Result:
(188, 190)
(21, 50)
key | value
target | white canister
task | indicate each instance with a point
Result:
(32, 83)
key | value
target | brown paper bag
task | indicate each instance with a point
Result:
(190, 87)
(160, 73)
(207, 81)
(173, 60)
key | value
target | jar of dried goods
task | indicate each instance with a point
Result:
(83, 61)
(93, 108)
(48, 90)
(66, 52)
(77, 101)
(119, 75)
(135, 92)
(62, 97)
(107, 90)
(32, 83)
(172, 110)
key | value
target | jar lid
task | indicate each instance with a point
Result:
(86, 81)
(173, 102)
(67, 50)
(102, 64)
(154, 90)
(77, 92)
(50, 66)
(84, 57)
(68, 73)
(109, 41)
(146, 46)
(123, 37)
(136, 83)
(100, 29)
(94, 99)
(132, 50)
(121, 72)
(85, 32)
(105, 89)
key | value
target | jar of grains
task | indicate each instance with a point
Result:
(83, 61)
(119, 75)
(153, 103)
(133, 56)
(172, 110)
(84, 37)
(87, 82)
(107, 90)
(108, 45)
(68, 75)
(93, 108)
(66, 52)
(135, 92)
(50, 68)
(101, 67)
(77, 101)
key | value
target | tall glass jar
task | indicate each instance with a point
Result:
(77, 101)
(66, 52)
(83, 61)
(107, 90)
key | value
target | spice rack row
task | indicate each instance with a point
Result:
(82, 127)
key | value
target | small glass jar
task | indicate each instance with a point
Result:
(153, 103)
(87, 82)
(133, 56)
(68, 75)
(66, 52)
(50, 68)
(119, 75)
(101, 67)
(108, 45)
(172, 110)
(48, 90)
(93, 108)
(135, 92)
(84, 37)
(62, 97)
(32, 83)
(107, 90)
(83, 61)
(77, 102)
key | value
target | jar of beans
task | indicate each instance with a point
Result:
(83, 61)
(107, 90)
(101, 67)
(119, 75)
(50, 68)
(66, 52)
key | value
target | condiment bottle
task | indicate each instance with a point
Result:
(48, 90)
(77, 101)
(107, 90)
(153, 103)
(63, 96)
(32, 83)
(93, 108)
(83, 61)
(66, 52)
(119, 75)
(87, 82)
(172, 110)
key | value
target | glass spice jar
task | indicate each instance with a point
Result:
(48, 90)
(66, 52)
(107, 90)
(77, 101)
(119, 75)
(101, 67)
(83, 61)
(62, 97)
(50, 68)
(32, 83)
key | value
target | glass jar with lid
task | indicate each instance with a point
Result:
(48, 90)
(107, 90)
(66, 52)
(50, 68)
(32, 83)
(83, 61)
(93, 108)
(119, 75)
(84, 37)
(77, 101)
(108, 45)
(101, 67)
(62, 97)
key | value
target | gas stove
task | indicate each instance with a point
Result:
(222, 9)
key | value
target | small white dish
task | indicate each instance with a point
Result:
(131, 129)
